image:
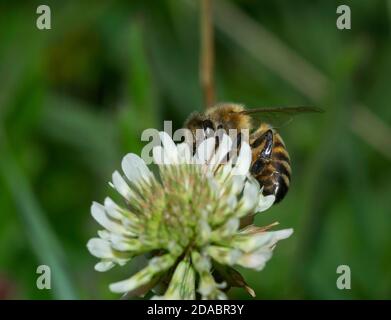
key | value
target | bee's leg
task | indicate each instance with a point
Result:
(234, 153)
(238, 140)
(219, 135)
(266, 152)
(265, 155)
(210, 131)
(208, 127)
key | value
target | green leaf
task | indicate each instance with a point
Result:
(43, 241)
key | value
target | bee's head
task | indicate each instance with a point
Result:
(223, 116)
(227, 116)
(199, 121)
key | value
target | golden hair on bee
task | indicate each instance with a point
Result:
(222, 116)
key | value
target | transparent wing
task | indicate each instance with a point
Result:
(279, 116)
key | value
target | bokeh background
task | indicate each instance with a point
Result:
(75, 99)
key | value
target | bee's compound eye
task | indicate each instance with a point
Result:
(207, 124)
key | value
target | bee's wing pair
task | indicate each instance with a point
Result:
(278, 116)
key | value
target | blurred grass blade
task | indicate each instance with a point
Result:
(66, 120)
(42, 239)
(140, 98)
(140, 84)
(363, 123)
(269, 50)
(177, 77)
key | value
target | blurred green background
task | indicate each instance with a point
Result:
(75, 99)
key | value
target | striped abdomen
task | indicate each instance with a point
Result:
(270, 162)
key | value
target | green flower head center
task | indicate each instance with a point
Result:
(179, 210)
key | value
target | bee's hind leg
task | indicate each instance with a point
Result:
(265, 155)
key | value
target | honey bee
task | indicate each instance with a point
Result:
(270, 164)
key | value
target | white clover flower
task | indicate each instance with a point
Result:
(187, 221)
